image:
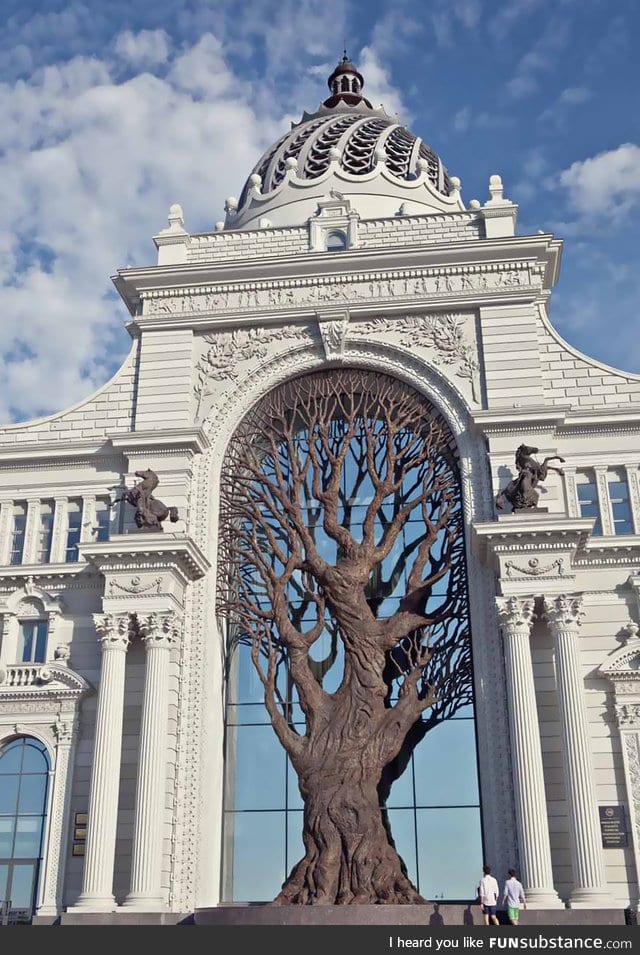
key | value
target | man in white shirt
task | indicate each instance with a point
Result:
(488, 892)
(513, 895)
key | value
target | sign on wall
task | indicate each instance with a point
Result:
(613, 826)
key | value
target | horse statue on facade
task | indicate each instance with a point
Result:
(150, 512)
(521, 492)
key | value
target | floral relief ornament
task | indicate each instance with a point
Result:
(228, 349)
(444, 333)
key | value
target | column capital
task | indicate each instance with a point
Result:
(159, 629)
(516, 613)
(563, 612)
(114, 630)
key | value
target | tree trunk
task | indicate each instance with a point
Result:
(349, 859)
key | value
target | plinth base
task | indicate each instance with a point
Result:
(433, 914)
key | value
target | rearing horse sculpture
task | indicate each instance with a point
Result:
(150, 512)
(521, 493)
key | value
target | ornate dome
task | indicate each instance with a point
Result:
(346, 140)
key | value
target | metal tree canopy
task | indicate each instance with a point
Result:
(341, 517)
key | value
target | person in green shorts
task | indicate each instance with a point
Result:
(513, 895)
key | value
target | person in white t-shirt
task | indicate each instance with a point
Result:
(488, 892)
(513, 895)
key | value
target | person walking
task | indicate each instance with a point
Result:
(488, 892)
(513, 895)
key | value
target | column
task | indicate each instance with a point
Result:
(536, 872)
(590, 890)
(97, 884)
(159, 632)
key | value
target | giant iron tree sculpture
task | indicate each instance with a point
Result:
(294, 545)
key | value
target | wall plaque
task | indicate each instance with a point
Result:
(613, 826)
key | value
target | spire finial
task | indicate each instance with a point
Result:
(346, 84)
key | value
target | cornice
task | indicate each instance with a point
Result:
(132, 284)
(40, 572)
(558, 417)
(515, 533)
(610, 551)
(169, 440)
(53, 451)
(139, 551)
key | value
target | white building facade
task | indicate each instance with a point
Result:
(350, 246)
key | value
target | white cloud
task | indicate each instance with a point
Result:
(142, 49)
(606, 185)
(378, 89)
(88, 168)
(462, 119)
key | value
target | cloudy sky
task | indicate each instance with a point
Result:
(111, 111)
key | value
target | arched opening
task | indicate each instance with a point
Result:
(24, 777)
(336, 242)
(343, 591)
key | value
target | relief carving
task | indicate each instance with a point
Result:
(534, 568)
(373, 286)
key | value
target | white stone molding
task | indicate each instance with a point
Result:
(333, 332)
(30, 600)
(622, 669)
(563, 614)
(59, 532)
(517, 616)
(65, 730)
(478, 281)
(159, 633)
(31, 531)
(89, 519)
(604, 504)
(570, 491)
(6, 526)
(633, 483)
(97, 882)
(521, 547)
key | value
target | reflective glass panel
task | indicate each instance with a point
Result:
(258, 855)
(27, 843)
(445, 765)
(6, 835)
(403, 822)
(9, 794)
(22, 886)
(259, 770)
(33, 789)
(449, 852)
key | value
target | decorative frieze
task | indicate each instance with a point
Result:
(337, 290)
(534, 568)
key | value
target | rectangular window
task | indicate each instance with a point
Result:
(103, 520)
(74, 524)
(33, 641)
(620, 505)
(45, 532)
(18, 532)
(588, 499)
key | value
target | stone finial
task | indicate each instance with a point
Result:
(291, 163)
(176, 218)
(631, 630)
(380, 154)
(334, 154)
(496, 189)
(61, 654)
(219, 226)
(422, 165)
(231, 204)
(455, 187)
(474, 204)
(256, 181)
(265, 223)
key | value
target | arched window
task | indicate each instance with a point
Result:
(24, 775)
(336, 242)
(304, 489)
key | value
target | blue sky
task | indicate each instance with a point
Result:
(110, 112)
